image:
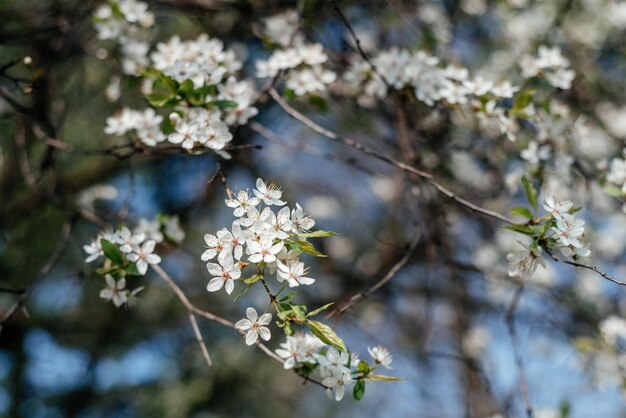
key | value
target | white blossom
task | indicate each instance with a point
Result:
(224, 274)
(381, 356)
(115, 291)
(143, 256)
(255, 326)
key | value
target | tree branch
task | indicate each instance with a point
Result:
(399, 164)
(339, 311)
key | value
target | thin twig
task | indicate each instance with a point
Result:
(43, 272)
(339, 311)
(196, 330)
(399, 164)
(274, 137)
(357, 41)
(585, 266)
(510, 320)
(211, 316)
(208, 315)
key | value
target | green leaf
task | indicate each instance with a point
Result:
(534, 244)
(613, 190)
(317, 234)
(161, 100)
(306, 369)
(299, 313)
(565, 409)
(289, 94)
(308, 248)
(318, 310)
(319, 103)
(523, 212)
(326, 334)
(520, 228)
(243, 292)
(284, 314)
(224, 104)
(186, 88)
(363, 367)
(385, 378)
(359, 390)
(288, 329)
(522, 99)
(531, 192)
(112, 252)
(132, 270)
(287, 296)
(253, 279)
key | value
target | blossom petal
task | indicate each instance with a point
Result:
(265, 333)
(265, 319)
(243, 324)
(251, 337)
(215, 284)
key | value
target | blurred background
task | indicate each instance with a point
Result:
(443, 316)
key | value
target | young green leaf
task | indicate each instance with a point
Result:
(308, 248)
(522, 99)
(132, 270)
(359, 390)
(523, 212)
(287, 296)
(224, 104)
(326, 334)
(253, 279)
(112, 252)
(243, 292)
(363, 367)
(522, 229)
(317, 234)
(531, 192)
(385, 378)
(318, 310)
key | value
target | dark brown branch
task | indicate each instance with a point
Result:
(339, 311)
(585, 266)
(399, 164)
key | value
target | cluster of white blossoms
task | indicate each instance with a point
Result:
(272, 242)
(115, 291)
(200, 127)
(337, 369)
(282, 29)
(124, 22)
(605, 356)
(203, 60)
(562, 230)
(569, 230)
(617, 173)
(129, 253)
(613, 332)
(551, 65)
(302, 62)
(433, 84)
(268, 239)
(421, 72)
(196, 79)
(523, 263)
(145, 124)
(211, 69)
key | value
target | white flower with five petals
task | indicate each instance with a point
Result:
(224, 274)
(143, 256)
(255, 326)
